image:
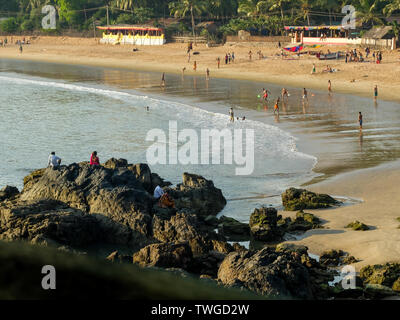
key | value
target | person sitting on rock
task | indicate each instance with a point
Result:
(94, 159)
(54, 161)
(158, 192)
(166, 201)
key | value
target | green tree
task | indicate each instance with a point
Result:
(278, 4)
(10, 25)
(368, 12)
(252, 7)
(182, 8)
(391, 7)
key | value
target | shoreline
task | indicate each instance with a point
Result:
(355, 183)
(170, 58)
(377, 188)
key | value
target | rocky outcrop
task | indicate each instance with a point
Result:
(114, 193)
(8, 192)
(165, 255)
(334, 258)
(267, 272)
(198, 195)
(233, 229)
(357, 226)
(187, 227)
(382, 274)
(263, 225)
(299, 199)
(52, 222)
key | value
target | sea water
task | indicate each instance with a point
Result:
(75, 110)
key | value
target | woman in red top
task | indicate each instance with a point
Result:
(94, 159)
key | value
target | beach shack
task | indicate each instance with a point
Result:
(135, 35)
(337, 35)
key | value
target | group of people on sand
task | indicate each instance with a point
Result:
(54, 162)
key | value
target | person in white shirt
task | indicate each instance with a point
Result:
(54, 161)
(158, 192)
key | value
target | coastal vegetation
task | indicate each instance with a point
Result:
(184, 17)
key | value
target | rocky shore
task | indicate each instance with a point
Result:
(78, 207)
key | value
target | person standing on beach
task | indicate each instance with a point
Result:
(360, 120)
(305, 97)
(194, 65)
(231, 114)
(313, 71)
(20, 48)
(250, 53)
(329, 86)
(284, 94)
(233, 57)
(163, 80)
(188, 56)
(218, 62)
(276, 107)
(54, 161)
(376, 92)
(207, 74)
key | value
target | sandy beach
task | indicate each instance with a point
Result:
(355, 78)
(377, 187)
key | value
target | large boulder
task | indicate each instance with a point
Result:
(299, 199)
(263, 224)
(267, 272)
(165, 255)
(8, 192)
(198, 195)
(185, 227)
(382, 274)
(115, 193)
(51, 222)
(233, 229)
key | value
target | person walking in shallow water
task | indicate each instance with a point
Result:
(329, 86)
(360, 120)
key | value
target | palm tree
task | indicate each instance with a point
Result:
(330, 5)
(305, 6)
(124, 4)
(277, 4)
(252, 7)
(182, 7)
(367, 12)
(392, 6)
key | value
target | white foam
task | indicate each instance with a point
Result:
(271, 142)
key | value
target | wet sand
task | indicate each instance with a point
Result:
(355, 78)
(378, 188)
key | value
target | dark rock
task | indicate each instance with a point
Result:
(233, 229)
(115, 257)
(165, 255)
(303, 222)
(115, 163)
(386, 274)
(263, 224)
(299, 199)
(267, 272)
(357, 226)
(184, 227)
(377, 291)
(207, 264)
(8, 192)
(114, 193)
(290, 247)
(211, 221)
(156, 180)
(331, 257)
(51, 222)
(198, 195)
